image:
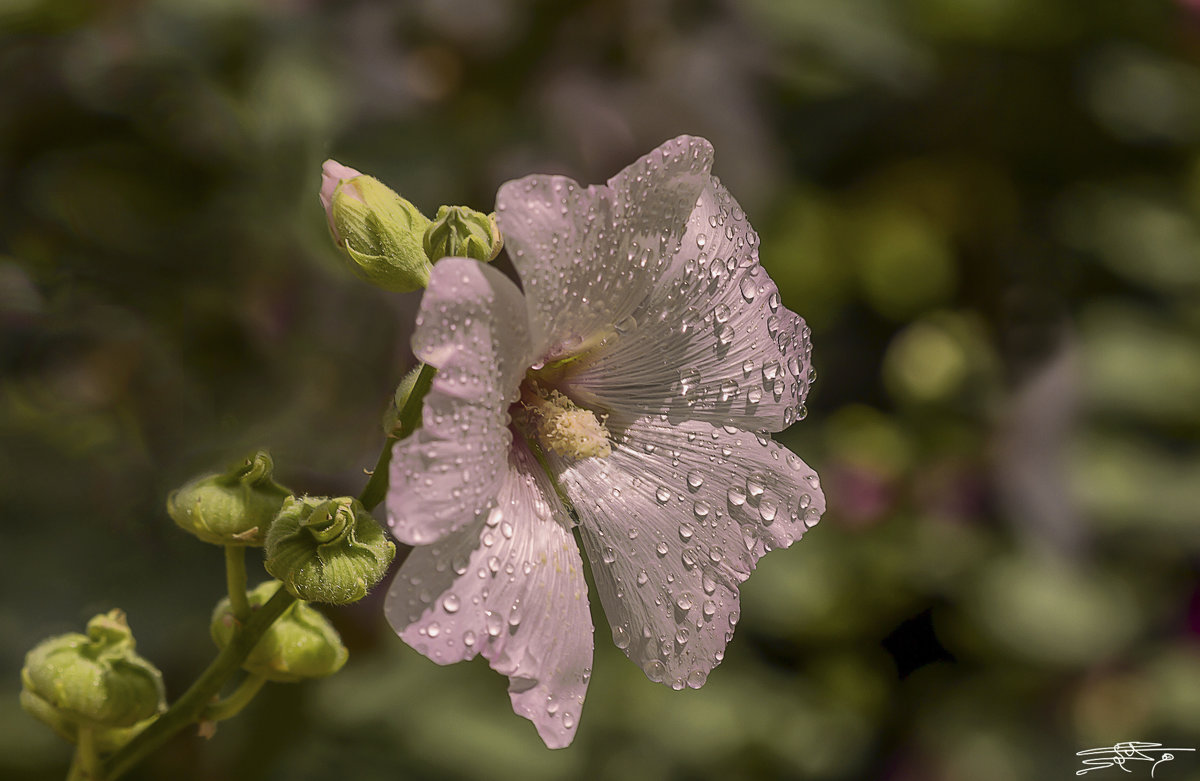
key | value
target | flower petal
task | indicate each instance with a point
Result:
(588, 256)
(672, 522)
(737, 355)
(510, 586)
(473, 328)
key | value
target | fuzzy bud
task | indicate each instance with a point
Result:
(94, 680)
(300, 644)
(379, 232)
(327, 550)
(231, 508)
(459, 232)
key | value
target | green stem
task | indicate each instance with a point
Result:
(190, 707)
(408, 420)
(86, 764)
(235, 581)
(233, 704)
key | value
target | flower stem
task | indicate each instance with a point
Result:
(233, 704)
(86, 764)
(235, 581)
(190, 707)
(409, 419)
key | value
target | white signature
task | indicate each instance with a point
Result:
(1119, 754)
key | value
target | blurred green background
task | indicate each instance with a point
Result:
(988, 211)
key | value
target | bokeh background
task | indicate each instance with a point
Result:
(988, 211)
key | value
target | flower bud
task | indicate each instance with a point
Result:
(327, 550)
(233, 508)
(459, 232)
(378, 231)
(300, 644)
(94, 680)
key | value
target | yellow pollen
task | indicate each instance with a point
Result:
(568, 430)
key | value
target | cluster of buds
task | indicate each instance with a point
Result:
(320, 550)
(388, 241)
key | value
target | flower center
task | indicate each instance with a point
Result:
(560, 425)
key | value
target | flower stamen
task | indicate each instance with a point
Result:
(562, 426)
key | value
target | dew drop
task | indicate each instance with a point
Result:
(756, 483)
(767, 510)
(434, 629)
(662, 494)
(661, 549)
(494, 623)
(710, 608)
(469, 639)
(655, 670)
(701, 509)
(685, 532)
(450, 603)
(684, 601)
(642, 577)
(695, 479)
(721, 313)
(620, 637)
(748, 288)
(696, 679)
(737, 497)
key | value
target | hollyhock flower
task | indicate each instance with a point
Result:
(628, 390)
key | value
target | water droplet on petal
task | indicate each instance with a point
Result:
(663, 495)
(494, 623)
(748, 288)
(685, 532)
(684, 601)
(756, 483)
(450, 603)
(695, 479)
(737, 497)
(701, 509)
(696, 678)
(620, 637)
(655, 670)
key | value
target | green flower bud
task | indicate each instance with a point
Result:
(459, 232)
(94, 680)
(300, 644)
(234, 508)
(327, 550)
(377, 230)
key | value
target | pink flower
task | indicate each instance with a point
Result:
(628, 392)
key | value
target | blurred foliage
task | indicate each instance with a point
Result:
(988, 210)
